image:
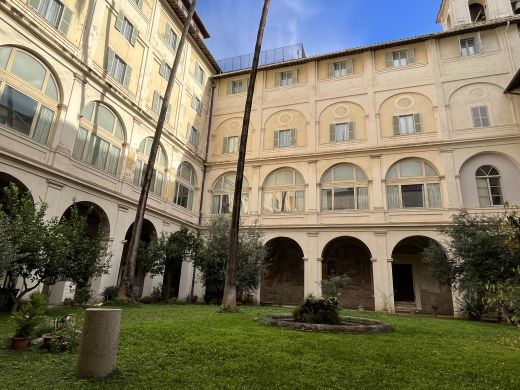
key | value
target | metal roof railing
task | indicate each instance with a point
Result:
(267, 57)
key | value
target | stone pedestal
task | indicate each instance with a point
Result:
(98, 345)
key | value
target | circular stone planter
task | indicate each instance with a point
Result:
(348, 325)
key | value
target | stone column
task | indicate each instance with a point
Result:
(312, 279)
(99, 341)
(450, 181)
(382, 274)
(187, 271)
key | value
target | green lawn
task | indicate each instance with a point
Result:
(194, 347)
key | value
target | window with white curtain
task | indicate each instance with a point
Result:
(413, 183)
(170, 37)
(344, 187)
(397, 59)
(284, 192)
(126, 28)
(185, 186)
(100, 138)
(467, 47)
(407, 124)
(286, 78)
(223, 195)
(340, 132)
(28, 94)
(54, 12)
(235, 87)
(489, 186)
(118, 68)
(480, 116)
(159, 173)
(341, 69)
(231, 144)
(284, 138)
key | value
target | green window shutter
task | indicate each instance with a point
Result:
(417, 123)
(110, 59)
(155, 102)
(478, 43)
(128, 76)
(162, 69)
(278, 77)
(331, 69)
(225, 146)
(397, 130)
(119, 21)
(296, 75)
(293, 137)
(66, 18)
(230, 87)
(140, 3)
(389, 59)
(276, 137)
(167, 30)
(352, 131)
(135, 35)
(34, 4)
(350, 66)
(410, 56)
(168, 112)
(332, 132)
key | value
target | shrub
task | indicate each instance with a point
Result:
(334, 284)
(82, 295)
(318, 311)
(147, 300)
(110, 293)
(157, 293)
(30, 314)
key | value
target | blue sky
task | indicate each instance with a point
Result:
(321, 25)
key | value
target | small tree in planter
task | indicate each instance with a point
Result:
(27, 318)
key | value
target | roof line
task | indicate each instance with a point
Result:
(486, 25)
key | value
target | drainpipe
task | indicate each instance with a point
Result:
(205, 168)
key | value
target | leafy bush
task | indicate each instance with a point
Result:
(318, 311)
(30, 314)
(334, 284)
(65, 335)
(157, 293)
(506, 295)
(147, 300)
(110, 293)
(82, 295)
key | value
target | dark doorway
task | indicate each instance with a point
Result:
(403, 283)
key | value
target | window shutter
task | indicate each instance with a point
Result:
(230, 87)
(168, 112)
(66, 18)
(389, 59)
(140, 3)
(434, 195)
(352, 131)
(226, 140)
(276, 139)
(478, 43)
(350, 66)
(167, 31)
(119, 21)
(332, 129)
(417, 123)
(331, 69)
(133, 38)
(110, 59)
(397, 130)
(293, 137)
(410, 56)
(34, 4)
(296, 73)
(392, 197)
(128, 75)
(162, 69)
(155, 102)
(278, 81)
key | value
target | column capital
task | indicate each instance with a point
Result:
(305, 259)
(373, 259)
(390, 260)
(320, 259)
(55, 184)
(312, 234)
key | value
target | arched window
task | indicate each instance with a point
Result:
(100, 138)
(159, 172)
(284, 192)
(412, 183)
(344, 187)
(477, 12)
(223, 192)
(28, 94)
(489, 187)
(185, 186)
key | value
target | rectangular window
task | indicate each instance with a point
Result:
(79, 144)
(54, 12)
(231, 144)
(184, 196)
(126, 28)
(165, 70)
(407, 124)
(467, 47)
(341, 69)
(480, 116)
(344, 199)
(237, 86)
(434, 195)
(397, 59)
(17, 110)
(196, 104)
(170, 37)
(412, 195)
(285, 138)
(193, 135)
(117, 68)
(342, 132)
(286, 78)
(199, 74)
(157, 103)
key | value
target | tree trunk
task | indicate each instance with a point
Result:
(229, 300)
(128, 278)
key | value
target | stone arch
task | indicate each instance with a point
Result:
(403, 104)
(466, 97)
(477, 10)
(342, 112)
(350, 256)
(509, 178)
(397, 160)
(148, 233)
(414, 284)
(6, 180)
(114, 111)
(283, 282)
(284, 120)
(231, 127)
(97, 218)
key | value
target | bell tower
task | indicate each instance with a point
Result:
(457, 13)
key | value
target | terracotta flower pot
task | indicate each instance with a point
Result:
(18, 343)
(47, 337)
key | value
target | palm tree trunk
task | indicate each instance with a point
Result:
(229, 301)
(128, 278)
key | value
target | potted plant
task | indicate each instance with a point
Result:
(435, 310)
(413, 309)
(26, 318)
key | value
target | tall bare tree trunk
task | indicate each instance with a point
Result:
(229, 301)
(128, 277)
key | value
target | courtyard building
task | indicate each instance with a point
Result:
(354, 159)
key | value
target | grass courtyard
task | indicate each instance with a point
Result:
(194, 347)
